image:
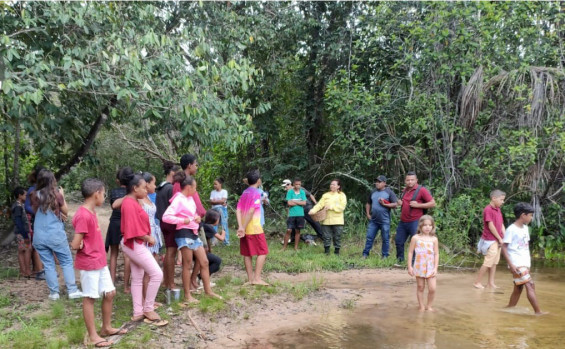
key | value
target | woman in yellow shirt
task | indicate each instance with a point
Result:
(332, 227)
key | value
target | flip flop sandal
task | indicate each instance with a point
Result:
(187, 304)
(137, 318)
(156, 322)
(99, 344)
(87, 343)
(119, 332)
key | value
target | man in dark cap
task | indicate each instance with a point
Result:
(381, 200)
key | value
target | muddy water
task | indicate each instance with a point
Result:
(465, 317)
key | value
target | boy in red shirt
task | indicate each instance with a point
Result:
(491, 240)
(91, 261)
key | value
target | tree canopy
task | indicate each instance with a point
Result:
(470, 95)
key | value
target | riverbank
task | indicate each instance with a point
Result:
(314, 300)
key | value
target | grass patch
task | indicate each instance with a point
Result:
(211, 305)
(347, 304)
(310, 258)
(9, 273)
(313, 259)
(5, 300)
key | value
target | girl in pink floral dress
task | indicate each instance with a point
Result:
(425, 244)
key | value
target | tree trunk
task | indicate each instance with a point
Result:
(6, 170)
(16, 172)
(81, 152)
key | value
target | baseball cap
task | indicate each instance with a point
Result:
(381, 178)
(286, 182)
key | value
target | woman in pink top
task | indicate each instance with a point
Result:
(182, 212)
(136, 236)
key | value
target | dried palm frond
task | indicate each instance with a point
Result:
(471, 99)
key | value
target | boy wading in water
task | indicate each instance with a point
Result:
(491, 240)
(249, 231)
(516, 251)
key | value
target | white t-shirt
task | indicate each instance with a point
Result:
(518, 245)
(218, 195)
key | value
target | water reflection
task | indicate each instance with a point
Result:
(465, 318)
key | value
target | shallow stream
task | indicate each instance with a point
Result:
(465, 317)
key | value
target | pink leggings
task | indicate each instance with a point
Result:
(142, 261)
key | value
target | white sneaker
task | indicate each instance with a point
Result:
(54, 296)
(75, 295)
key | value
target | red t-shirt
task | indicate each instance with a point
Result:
(92, 256)
(134, 221)
(494, 215)
(410, 214)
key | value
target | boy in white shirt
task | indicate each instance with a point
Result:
(516, 251)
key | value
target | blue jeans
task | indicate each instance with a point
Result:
(63, 253)
(372, 231)
(404, 231)
(223, 210)
(50, 238)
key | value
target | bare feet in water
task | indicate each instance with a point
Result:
(479, 286)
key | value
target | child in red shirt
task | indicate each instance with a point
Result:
(136, 237)
(91, 261)
(491, 239)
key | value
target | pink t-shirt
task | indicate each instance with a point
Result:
(181, 207)
(92, 256)
(200, 210)
(251, 198)
(492, 214)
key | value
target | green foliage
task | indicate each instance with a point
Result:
(469, 95)
(454, 222)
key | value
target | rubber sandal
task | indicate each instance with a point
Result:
(99, 344)
(186, 304)
(120, 332)
(157, 322)
(137, 318)
(87, 343)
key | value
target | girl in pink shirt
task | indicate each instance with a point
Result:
(182, 213)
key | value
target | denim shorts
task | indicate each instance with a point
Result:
(188, 242)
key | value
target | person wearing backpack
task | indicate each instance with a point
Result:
(414, 203)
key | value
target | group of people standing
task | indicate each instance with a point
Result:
(147, 217)
(144, 219)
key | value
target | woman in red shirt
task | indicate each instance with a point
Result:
(136, 236)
